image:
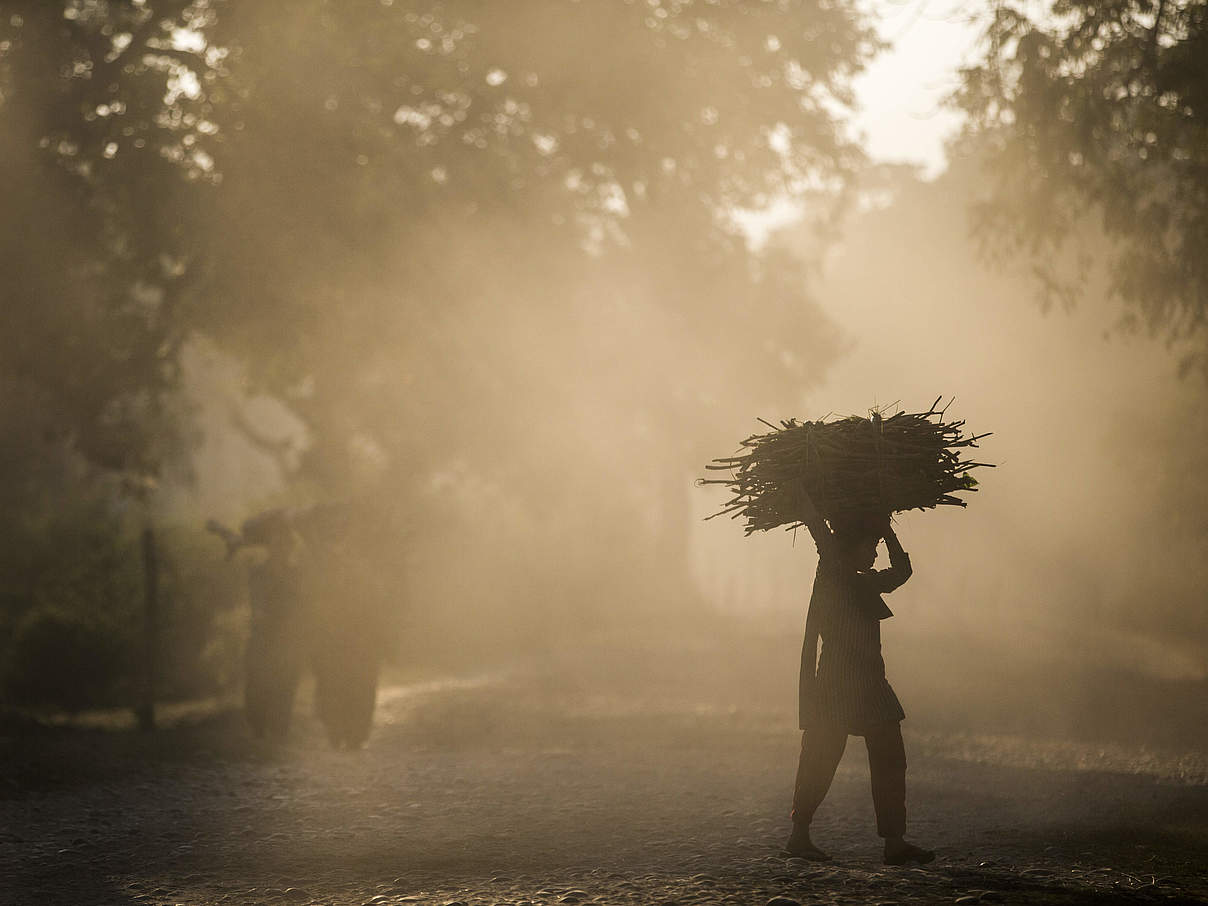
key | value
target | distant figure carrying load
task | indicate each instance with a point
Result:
(851, 473)
(348, 622)
(277, 644)
(276, 648)
(311, 602)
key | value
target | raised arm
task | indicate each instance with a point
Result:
(824, 539)
(886, 580)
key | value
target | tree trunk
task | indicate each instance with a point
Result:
(145, 710)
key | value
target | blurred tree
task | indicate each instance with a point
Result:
(99, 165)
(1097, 113)
(486, 245)
(454, 236)
(101, 156)
(395, 173)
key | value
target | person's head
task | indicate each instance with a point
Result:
(857, 539)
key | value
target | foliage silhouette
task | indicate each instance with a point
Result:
(1094, 116)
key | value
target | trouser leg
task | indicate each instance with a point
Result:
(362, 699)
(887, 767)
(327, 700)
(821, 749)
(257, 684)
(286, 677)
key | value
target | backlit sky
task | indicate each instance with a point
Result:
(901, 96)
(901, 116)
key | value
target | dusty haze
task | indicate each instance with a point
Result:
(439, 310)
(485, 286)
(1067, 598)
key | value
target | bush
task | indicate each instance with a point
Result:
(71, 612)
(67, 660)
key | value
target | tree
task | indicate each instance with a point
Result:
(1096, 116)
(432, 156)
(469, 246)
(493, 244)
(101, 165)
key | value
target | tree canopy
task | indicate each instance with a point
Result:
(310, 183)
(94, 247)
(1096, 119)
(478, 248)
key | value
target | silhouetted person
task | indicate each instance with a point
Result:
(276, 648)
(348, 638)
(346, 660)
(844, 692)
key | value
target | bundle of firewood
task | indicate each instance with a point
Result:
(850, 467)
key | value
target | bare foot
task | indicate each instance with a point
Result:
(800, 846)
(899, 852)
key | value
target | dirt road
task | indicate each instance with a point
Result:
(512, 790)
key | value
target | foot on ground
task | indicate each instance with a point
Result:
(899, 852)
(800, 846)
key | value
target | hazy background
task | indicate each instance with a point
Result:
(505, 281)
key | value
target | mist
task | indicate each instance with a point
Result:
(1064, 599)
(358, 365)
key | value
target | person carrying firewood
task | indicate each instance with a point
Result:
(843, 692)
(842, 479)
